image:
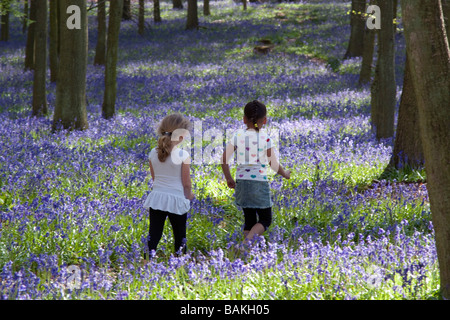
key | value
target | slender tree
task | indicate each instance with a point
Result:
(54, 40)
(357, 23)
(25, 16)
(70, 108)
(4, 33)
(206, 10)
(192, 15)
(126, 11)
(383, 91)
(156, 11)
(100, 48)
(177, 4)
(141, 22)
(429, 54)
(365, 74)
(39, 94)
(109, 99)
(29, 48)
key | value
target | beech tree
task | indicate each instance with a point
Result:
(54, 41)
(383, 90)
(357, 25)
(192, 15)
(177, 4)
(429, 63)
(156, 11)
(70, 107)
(4, 21)
(39, 104)
(29, 48)
(408, 144)
(141, 22)
(100, 48)
(112, 43)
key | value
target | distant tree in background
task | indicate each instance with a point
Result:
(156, 11)
(29, 48)
(54, 40)
(141, 21)
(192, 15)
(109, 99)
(100, 48)
(4, 28)
(70, 107)
(177, 4)
(126, 10)
(429, 62)
(365, 75)
(39, 105)
(206, 10)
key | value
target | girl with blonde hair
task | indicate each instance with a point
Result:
(172, 188)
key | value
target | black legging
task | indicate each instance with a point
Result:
(251, 216)
(157, 220)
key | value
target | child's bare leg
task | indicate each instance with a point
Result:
(257, 229)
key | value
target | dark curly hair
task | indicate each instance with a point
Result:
(254, 111)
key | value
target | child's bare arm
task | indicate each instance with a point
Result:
(152, 172)
(226, 168)
(186, 181)
(276, 166)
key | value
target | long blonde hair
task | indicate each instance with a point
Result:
(165, 130)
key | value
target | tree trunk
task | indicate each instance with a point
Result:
(384, 87)
(192, 15)
(4, 34)
(365, 74)
(156, 11)
(177, 4)
(357, 24)
(244, 3)
(39, 94)
(141, 23)
(206, 10)
(109, 99)
(29, 49)
(70, 108)
(54, 37)
(429, 56)
(100, 48)
(408, 144)
(446, 10)
(25, 16)
(126, 11)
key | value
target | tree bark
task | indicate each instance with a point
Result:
(141, 23)
(39, 107)
(126, 11)
(54, 37)
(109, 99)
(408, 144)
(206, 10)
(192, 15)
(365, 74)
(29, 49)
(429, 55)
(4, 33)
(156, 11)
(177, 4)
(384, 87)
(446, 10)
(25, 16)
(100, 48)
(70, 109)
(357, 24)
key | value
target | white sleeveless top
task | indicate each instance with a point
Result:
(167, 193)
